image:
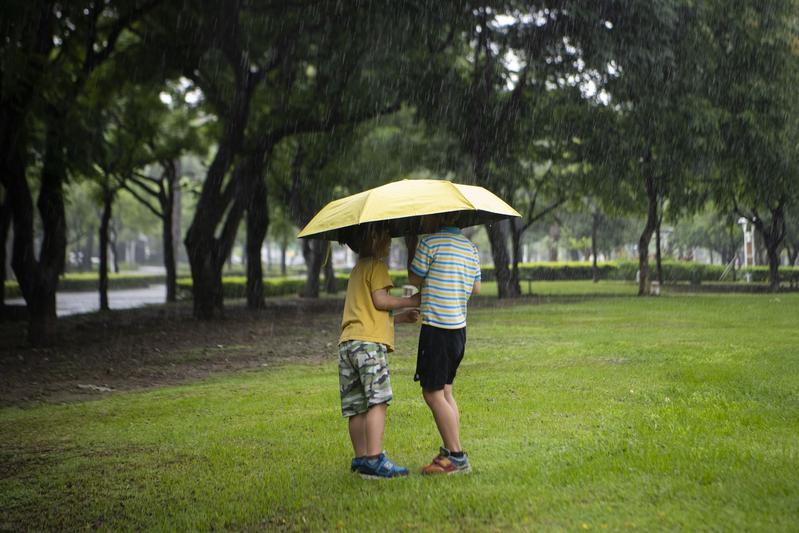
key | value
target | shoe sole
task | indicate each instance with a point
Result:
(373, 477)
(467, 470)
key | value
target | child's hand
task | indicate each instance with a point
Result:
(415, 300)
(409, 317)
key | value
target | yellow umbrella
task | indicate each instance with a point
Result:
(403, 203)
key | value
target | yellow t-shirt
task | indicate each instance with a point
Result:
(362, 321)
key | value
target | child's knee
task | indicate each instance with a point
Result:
(432, 396)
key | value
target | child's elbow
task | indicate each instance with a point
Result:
(380, 302)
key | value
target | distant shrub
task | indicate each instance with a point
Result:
(236, 286)
(88, 281)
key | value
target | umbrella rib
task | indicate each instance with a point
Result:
(364, 206)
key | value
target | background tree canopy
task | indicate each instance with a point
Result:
(214, 114)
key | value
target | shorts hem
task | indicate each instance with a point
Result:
(350, 414)
(380, 402)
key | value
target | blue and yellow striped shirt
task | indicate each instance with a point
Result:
(450, 266)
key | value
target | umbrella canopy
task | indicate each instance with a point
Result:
(402, 204)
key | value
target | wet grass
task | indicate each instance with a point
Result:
(671, 413)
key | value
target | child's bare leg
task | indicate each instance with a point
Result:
(451, 401)
(446, 418)
(375, 427)
(357, 427)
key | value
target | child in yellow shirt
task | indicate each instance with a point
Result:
(367, 335)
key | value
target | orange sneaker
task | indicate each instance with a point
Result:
(444, 463)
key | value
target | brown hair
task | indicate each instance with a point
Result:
(375, 241)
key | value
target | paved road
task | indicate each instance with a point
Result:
(72, 303)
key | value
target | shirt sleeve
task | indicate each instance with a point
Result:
(380, 278)
(421, 259)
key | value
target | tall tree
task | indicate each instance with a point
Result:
(120, 147)
(497, 60)
(163, 125)
(49, 54)
(648, 144)
(313, 68)
(755, 70)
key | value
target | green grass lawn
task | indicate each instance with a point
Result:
(671, 413)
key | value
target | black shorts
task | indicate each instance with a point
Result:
(440, 353)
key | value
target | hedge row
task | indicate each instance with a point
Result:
(87, 282)
(552, 271)
(696, 273)
(235, 286)
(673, 271)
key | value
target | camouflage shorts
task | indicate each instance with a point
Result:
(363, 376)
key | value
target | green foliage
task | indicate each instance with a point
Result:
(653, 139)
(754, 70)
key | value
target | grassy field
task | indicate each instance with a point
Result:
(671, 413)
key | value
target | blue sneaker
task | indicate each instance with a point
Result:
(381, 468)
(357, 463)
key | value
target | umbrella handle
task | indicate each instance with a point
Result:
(328, 253)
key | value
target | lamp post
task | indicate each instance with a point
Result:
(749, 246)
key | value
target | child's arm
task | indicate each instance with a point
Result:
(385, 302)
(415, 280)
(421, 263)
(476, 288)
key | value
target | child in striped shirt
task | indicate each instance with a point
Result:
(446, 267)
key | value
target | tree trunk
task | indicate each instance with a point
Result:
(176, 194)
(108, 201)
(594, 231)
(313, 251)
(257, 226)
(169, 257)
(554, 237)
(5, 224)
(112, 242)
(772, 237)
(646, 237)
(206, 251)
(516, 230)
(283, 247)
(330, 274)
(658, 253)
(38, 279)
(207, 287)
(35, 277)
(507, 287)
(168, 212)
(793, 255)
(773, 254)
